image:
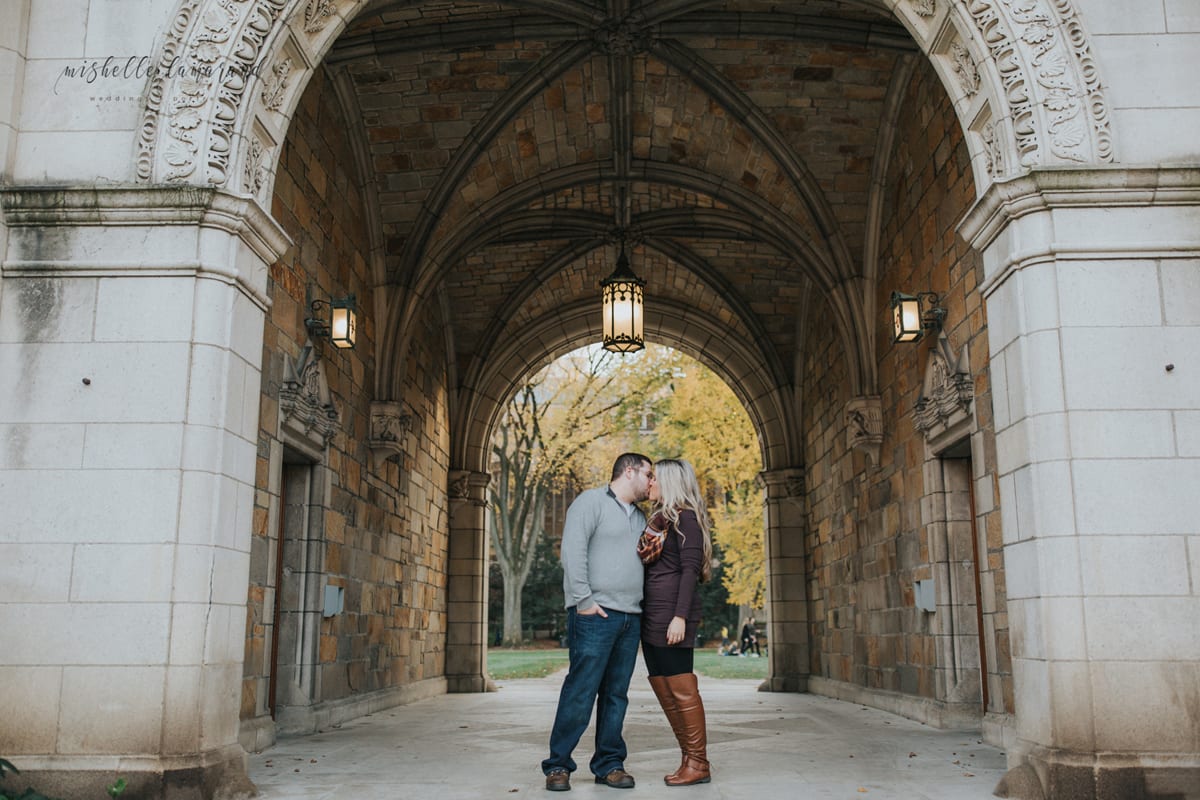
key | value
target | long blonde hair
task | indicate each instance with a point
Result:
(679, 490)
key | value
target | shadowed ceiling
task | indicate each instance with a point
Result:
(515, 146)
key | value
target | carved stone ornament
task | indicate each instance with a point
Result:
(624, 38)
(305, 405)
(317, 15)
(465, 486)
(275, 85)
(926, 8)
(964, 65)
(864, 426)
(254, 173)
(209, 56)
(943, 412)
(1025, 40)
(392, 425)
(993, 151)
(459, 486)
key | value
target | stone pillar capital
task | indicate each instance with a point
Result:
(468, 486)
(783, 484)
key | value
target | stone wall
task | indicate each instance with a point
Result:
(375, 523)
(877, 528)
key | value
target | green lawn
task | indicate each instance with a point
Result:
(711, 665)
(509, 662)
(506, 663)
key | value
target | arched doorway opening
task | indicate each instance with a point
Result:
(557, 437)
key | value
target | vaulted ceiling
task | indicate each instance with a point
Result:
(514, 146)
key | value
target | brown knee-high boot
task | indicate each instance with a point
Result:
(667, 700)
(695, 768)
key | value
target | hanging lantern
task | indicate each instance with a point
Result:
(622, 303)
(343, 322)
(339, 325)
(906, 318)
(909, 321)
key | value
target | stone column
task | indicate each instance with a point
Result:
(787, 631)
(1093, 302)
(131, 326)
(466, 615)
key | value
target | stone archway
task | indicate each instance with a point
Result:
(1056, 243)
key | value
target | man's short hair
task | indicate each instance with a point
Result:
(626, 460)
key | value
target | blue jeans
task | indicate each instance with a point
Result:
(602, 652)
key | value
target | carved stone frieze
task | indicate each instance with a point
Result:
(1041, 69)
(152, 116)
(964, 65)
(864, 425)
(1063, 97)
(242, 64)
(275, 84)
(1081, 50)
(209, 56)
(1002, 45)
(943, 411)
(306, 407)
(392, 425)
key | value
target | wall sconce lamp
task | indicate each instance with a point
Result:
(621, 294)
(341, 325)
(909, 322)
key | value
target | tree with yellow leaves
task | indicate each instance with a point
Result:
(701, 419)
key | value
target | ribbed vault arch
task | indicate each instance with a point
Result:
(749, 215)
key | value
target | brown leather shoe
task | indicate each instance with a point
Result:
(558, 780)
(617, 779)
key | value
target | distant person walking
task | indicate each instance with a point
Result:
(750, 638)
(679, 529)
(602, 584)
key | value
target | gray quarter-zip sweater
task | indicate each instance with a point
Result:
(599, 553)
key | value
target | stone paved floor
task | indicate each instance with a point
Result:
(762, 746)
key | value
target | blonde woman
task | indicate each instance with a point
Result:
(671, 609)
